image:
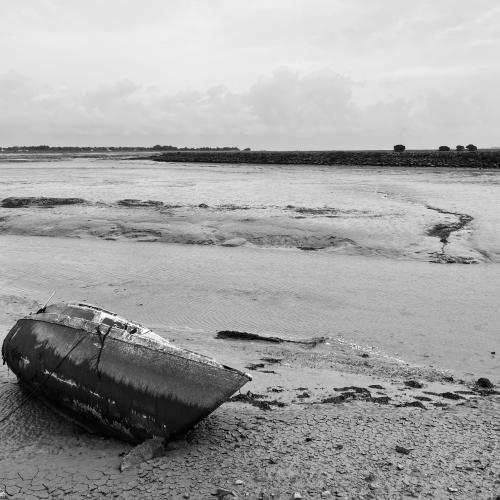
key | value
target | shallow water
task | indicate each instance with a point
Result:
(267, 185)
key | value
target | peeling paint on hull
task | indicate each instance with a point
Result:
(128, 385)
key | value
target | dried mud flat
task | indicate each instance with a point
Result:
(341, 451)
(322, 419)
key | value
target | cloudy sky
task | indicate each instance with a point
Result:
(274, 74)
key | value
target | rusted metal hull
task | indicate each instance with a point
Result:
(115, 377)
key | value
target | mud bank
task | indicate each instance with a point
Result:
(422, 234)
(479, 159)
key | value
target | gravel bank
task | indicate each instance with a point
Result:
(461, 159)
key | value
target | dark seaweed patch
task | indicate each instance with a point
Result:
(256, 400)
(235, 335)
(32, 201)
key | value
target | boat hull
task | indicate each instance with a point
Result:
(112, 385)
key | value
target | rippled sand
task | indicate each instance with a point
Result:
(446, 316)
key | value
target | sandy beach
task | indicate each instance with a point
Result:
(382, 263)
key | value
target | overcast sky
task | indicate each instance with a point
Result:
(275, 74)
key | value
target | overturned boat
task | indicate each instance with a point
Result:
(113, 376)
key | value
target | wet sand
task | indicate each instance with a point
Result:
(333, 414)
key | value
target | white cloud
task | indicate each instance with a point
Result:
(285, 109)
(312, 101)
(263, 73)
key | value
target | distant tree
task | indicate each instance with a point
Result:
(460, 148)
(157, 147)
(471, 147)
(247, 149)
(399, 148)
(444, 148)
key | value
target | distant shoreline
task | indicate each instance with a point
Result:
(481, 159)
(454, 159)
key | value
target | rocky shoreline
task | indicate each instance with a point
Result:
(454, 159)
